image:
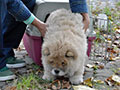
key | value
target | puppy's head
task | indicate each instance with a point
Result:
(59, 57)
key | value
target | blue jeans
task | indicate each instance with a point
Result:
(11, 32)
(78, 6)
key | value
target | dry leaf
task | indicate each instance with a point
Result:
(111, 56)
(82, 87)
(95, 67)
(104, 35)
(101, 67)
(38, 71)
(88, 82)
(111, 50)
(97, 62)
(109, 39)
(118, 31)
(11, 88)
(66, 85)
(116, 79)
(113, 80)
(109, 81)
(110, 18)
(89, 65)
(114, 58)
(116, 42)
(99, 81)
(56, 85)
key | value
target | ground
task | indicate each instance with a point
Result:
(98, 75)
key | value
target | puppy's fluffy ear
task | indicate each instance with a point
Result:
(46, 52)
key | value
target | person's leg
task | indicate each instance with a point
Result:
(12, 34)
(3, 10)
(5, 73)
(14, 30)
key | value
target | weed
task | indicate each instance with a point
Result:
(30, 82)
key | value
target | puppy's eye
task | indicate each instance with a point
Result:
(63, 63)
(69, 54)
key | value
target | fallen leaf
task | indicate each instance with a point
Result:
(113, 80)
(116, 42)
(111, 57)
(116, 79)
(109, 39)
(118, 31)
(88, 82)
(99, 81)
(89, 65)
(97, 62)
(66, 85)
(38, 71)
(117, 37)
(109, 17)
(104, 35)
(11, 88)
(82, 87)
(95, 67)
(111, 50)
(108, 82)
(56, 85)
(114, 58)
(101, 66)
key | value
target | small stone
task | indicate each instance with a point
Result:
(22, 70)
(2, 84)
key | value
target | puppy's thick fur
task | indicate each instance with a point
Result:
(65, 45)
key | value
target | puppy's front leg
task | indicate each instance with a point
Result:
(77, 78)
(47, 75)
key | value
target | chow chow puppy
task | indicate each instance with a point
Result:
(64, 48)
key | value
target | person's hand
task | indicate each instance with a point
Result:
(86, 20)
(40, 25)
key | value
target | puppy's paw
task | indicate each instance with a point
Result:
(76, 80)
(47, 77)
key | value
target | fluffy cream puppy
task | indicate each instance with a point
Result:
(64, 48)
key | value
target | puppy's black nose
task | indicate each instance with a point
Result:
(57, 71)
